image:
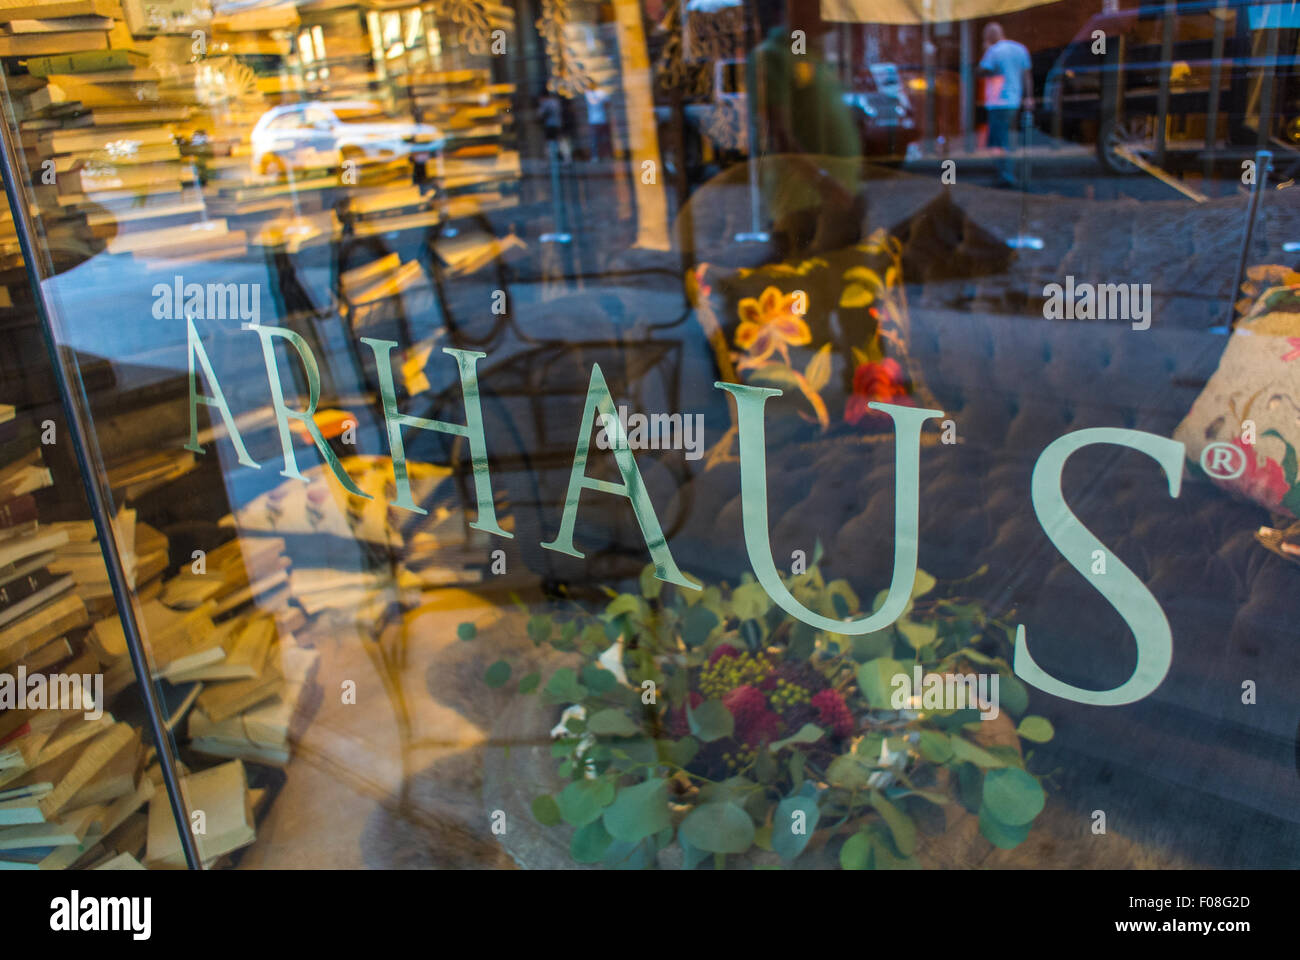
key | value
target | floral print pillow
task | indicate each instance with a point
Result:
(1243, 431)
(830, 332)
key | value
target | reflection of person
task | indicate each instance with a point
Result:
(1009, 85)
(597, 120)
(797, 109)
(551, 112)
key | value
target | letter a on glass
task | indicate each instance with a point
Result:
(632, 487)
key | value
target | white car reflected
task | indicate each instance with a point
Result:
(317, 134)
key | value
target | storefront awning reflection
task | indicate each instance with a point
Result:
(919, 11)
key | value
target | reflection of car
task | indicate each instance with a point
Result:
(318, 134)
(884, 119)
(1124, 52)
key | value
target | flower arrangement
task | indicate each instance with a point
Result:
(703, 725)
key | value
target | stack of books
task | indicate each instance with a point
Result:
(43, 619)
(374, 210)
(99, 120)
(232, 577)
(248, 679)
(143, 551)
(33, 28)
(384, 289)
(72, 777)
(266, 30)
(71, 788)
(476, 170)
(227, 804)
(258, 716)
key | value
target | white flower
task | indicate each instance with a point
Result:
(895, 761)
(586, 743)
(560, 730)
(612, 660)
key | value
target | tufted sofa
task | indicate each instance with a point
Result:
(1192, 762)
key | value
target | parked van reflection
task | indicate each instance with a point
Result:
(315, 135)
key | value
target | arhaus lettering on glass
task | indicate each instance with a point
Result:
(1120, 587)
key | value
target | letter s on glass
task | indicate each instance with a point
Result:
(1121, 587)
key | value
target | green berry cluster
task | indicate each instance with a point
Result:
(728, 673)
(742, 757)
(787, 695)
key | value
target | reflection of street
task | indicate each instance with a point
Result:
(1071, 170)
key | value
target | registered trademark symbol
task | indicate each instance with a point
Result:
(1223, 461)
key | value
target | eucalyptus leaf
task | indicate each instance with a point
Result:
(467, 631)
(970, 786)
(918, 635)
(843, 598)
(683, 751)
(856, 852)
(621, 855)
(808, 733)
(1013, 696)
(623, 603)
(923, 584)
(1013, 796)
(697, 625)
(750, 601)
(582, 801)
(803, 641)
(934, 746)
(564, 686)
(539, 629)
(711, 721)
(900, 824)
(546, 811)
(590, 843)
(793, 824)
(611, 723)
(847, 770)
(869, 646)
(530, 683)
(638, 811)
(884, 858)
(963, 749)
(1037, 729)
(651, 585)
(1002, 835)
(496, 675)
(720, 827)
(597, 679)
(875, 680)
(691, 856)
